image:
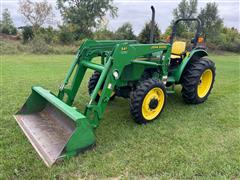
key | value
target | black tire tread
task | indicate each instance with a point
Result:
(138, 95)
(191, 76)
(92, 83)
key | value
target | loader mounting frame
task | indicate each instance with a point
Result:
(115, 56)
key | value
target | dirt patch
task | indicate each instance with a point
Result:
(9, 37)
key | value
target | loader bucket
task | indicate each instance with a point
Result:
(54, 129)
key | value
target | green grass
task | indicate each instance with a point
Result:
(187, 141)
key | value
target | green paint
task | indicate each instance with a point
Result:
(128, 59)
(179, 70)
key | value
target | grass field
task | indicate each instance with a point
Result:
(187, 141)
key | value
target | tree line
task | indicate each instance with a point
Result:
(87, 19)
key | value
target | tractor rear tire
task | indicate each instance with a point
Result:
(147, 101)
(93, 82)
(197, 80)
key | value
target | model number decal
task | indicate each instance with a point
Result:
(124, 48)
(158, 47)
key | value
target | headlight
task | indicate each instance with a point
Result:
(116, 74)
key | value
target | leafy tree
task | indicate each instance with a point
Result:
(65, 35)
(144, 36)
(102, 31)
(27, 33)
(84, 15)
(229, 39)
(48, 34)
(6, 24)
(185, 9)
(211, 21)
(104, 34)
(232, 33)
(125, 32)
(35, 13)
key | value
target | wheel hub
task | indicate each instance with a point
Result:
(205, 83)
(153, 103)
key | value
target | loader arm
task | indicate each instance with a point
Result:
(53, 126)
(120, 54)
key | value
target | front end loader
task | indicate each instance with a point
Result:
(143, 73)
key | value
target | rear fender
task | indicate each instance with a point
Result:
(194, 53)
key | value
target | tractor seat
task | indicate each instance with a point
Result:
(178, 48)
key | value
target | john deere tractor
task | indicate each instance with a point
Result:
(142, 73)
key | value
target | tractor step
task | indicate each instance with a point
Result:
(53, 128)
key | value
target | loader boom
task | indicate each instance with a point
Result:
(54, 127)
(116, 56)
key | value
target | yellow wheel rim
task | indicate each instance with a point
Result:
(157, 95)
(205, 83)
(100, 92)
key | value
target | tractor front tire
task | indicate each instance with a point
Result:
(147, 101)
(197, 80)
(93, 82)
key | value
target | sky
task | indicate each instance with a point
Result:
(137, 12)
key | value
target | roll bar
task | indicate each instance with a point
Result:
(199, 29)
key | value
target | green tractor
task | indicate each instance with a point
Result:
(142, 73)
